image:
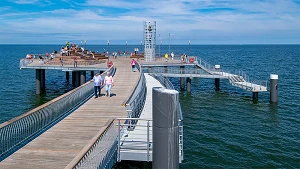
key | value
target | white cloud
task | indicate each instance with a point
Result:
(187, 19)
(26, 1)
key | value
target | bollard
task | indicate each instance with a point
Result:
(165, 153)
(274, 88)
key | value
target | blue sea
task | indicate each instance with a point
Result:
(222, 129)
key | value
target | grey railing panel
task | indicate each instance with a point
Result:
(15, 132)
(101, 152)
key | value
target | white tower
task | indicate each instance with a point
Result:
(149, 40)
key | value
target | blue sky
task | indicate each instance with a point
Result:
(200, 21)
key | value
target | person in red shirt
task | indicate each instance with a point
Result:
(133, 62)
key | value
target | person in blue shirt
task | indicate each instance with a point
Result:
(97, 79)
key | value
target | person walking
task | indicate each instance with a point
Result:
(61, 61)
(97, 84)
(166, 57)
(109, 82)
(172, 56)
(75, 61)
(133, 62)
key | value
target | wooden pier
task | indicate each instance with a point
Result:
(58, 146)
(62, 143)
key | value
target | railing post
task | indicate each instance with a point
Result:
(119, 134)
(148, 141)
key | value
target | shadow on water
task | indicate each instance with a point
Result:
(133, 165)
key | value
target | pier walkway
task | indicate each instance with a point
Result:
(201, 69)
(59, 145)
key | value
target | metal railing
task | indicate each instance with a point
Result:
(101, 152)
(145, 144)
(25, 62)
(253, 86)
(20, 130)
(47, 62)
(142, 144)
(135, 103)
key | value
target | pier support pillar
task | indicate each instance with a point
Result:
(255, 96)
(38, 73)
(67, 76)
(165, 71)
(82, 77)
(273, 88)
(92, 74)
(188, 84)
(149, 69)
(43, 79)
(182, 71)
(77, 79)
(217, 84)
(165, 152)
(73, 78)
(217, 80)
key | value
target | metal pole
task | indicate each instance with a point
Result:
(189, 47)
(108, 51)
(148, 141)
(126, 47)
(169, 43)
(141, 46)
(119, 134)
(159, 46)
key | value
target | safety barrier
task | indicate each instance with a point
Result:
(101, 152)
(20, 130)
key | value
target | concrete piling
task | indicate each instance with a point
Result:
(182, 78)
(43, 79)
(188, 84)
(165, 128)
(38, 80)
(67, 76)
(217, 80)
(273, 88)
(82, 77)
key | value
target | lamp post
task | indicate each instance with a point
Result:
(108, 50)
(126, 49)
(189, 47)
(169, 43)
(159, 45)
(141, 46)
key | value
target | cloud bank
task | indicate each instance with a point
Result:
(200, 21)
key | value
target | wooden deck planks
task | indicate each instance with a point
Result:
(58, 146)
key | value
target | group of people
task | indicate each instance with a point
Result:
(108, 81)
(98, 82)
(167, 56)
